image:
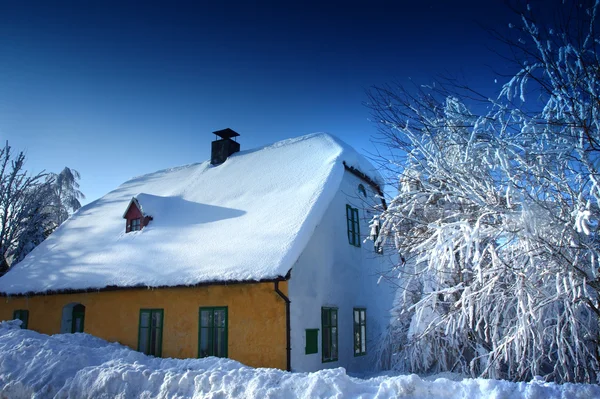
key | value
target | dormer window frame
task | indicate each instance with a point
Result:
(135, 220)
(135, 224)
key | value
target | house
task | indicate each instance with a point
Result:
(259, 256)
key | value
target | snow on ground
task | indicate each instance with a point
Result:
(34, 365)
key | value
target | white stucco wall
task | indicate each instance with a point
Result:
(332, 273)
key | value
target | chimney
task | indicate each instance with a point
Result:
(224, 147)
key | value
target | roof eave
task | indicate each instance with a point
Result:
(142, 286)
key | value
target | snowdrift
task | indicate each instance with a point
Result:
(34, 365)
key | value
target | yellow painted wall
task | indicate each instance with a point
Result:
(257, 335)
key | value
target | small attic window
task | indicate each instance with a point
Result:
(135, 225)
(136, 219)
(362, 190)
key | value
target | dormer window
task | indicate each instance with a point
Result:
(135, 217)
(135, 225)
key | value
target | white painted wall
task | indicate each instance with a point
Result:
(332, 273)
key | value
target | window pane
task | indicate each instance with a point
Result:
(220, 342)
(153, 341)
(363, 316)
(206, 318)
(205, 349)
(144, 319)
(333, 317)
(156, 341)
(363, 339)
(334, 349)
(143, 344)
(156, 319)
(155, 333)
(356, 316)
(325, 317)
(220, 318)
(326, 343)
(135, 224)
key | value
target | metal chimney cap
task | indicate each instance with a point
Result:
(226, 133)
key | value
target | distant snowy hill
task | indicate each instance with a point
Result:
(34, 365)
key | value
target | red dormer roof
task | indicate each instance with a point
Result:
(135, 203)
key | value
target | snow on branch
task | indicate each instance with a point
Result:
(497, 215)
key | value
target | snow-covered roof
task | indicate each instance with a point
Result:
(246, 219)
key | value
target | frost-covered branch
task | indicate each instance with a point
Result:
(497, 215)
(24, 200)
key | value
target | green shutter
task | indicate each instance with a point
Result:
(22, 315)
(312, 337)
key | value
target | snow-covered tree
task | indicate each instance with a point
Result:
(66, 195)
(24, 204)
(496, 216)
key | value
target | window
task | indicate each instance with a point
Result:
(361, 189)
(150, 331)
(330, 334)
(22, 315)
(312, 337)
(135, 225)
(360, 331)
(353, 226)
(78, 318)
(212, 335)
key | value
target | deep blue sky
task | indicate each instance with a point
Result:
(120, 89)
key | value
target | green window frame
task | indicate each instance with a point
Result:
(360, 331)
(213, 331)
(329, 336)
(312, 341)
(78, 318)
(23, 315)
(150, 331)
(353, 226)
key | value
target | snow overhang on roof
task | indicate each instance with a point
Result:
(211, 224)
